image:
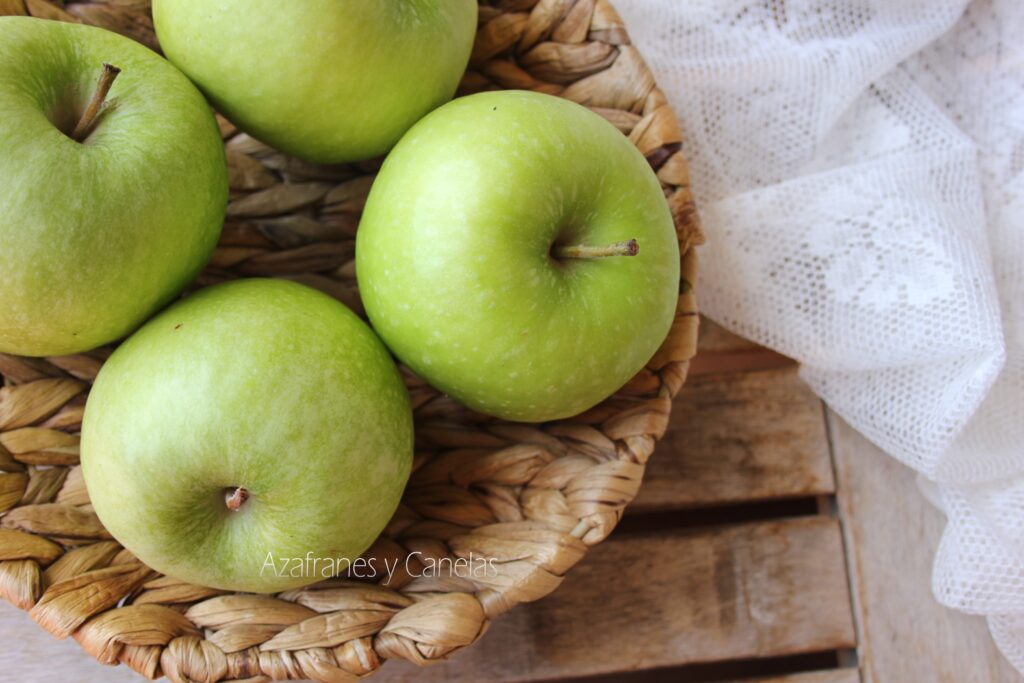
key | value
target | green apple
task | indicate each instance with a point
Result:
(329, 81)
(252, 421)
(103, 225)
(517, 252)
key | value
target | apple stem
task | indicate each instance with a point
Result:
(98, 98)
(627, 248)
(236, 499)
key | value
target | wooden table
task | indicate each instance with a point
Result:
(769, 542)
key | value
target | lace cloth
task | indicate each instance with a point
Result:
(859, 165)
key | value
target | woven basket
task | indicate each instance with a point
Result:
(534, 497)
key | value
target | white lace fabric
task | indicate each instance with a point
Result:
(859, 166)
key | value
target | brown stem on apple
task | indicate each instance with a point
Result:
(96, 104)
(627, 248)
(235, 499)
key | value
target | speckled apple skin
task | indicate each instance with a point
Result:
(454, 265)
(329, 81)
(262, 384)
(95, 237)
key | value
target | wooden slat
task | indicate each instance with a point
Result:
(721, 351)
(714, 338)
(739, 438)
(754, 590)
(891, 533)
(835, 676)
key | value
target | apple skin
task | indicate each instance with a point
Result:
(453, 255)
(97, 236)
(263, 384)
(328, 81)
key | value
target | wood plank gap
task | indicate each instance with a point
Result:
(717, 516)
(851, 657)
(813, 667)
(827, 505)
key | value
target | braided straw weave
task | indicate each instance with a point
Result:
(534, 497)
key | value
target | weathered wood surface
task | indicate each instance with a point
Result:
(737, 438)
(744, 428)
(891, 535)
(672, 598)
(834, 676)
(722, 351)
